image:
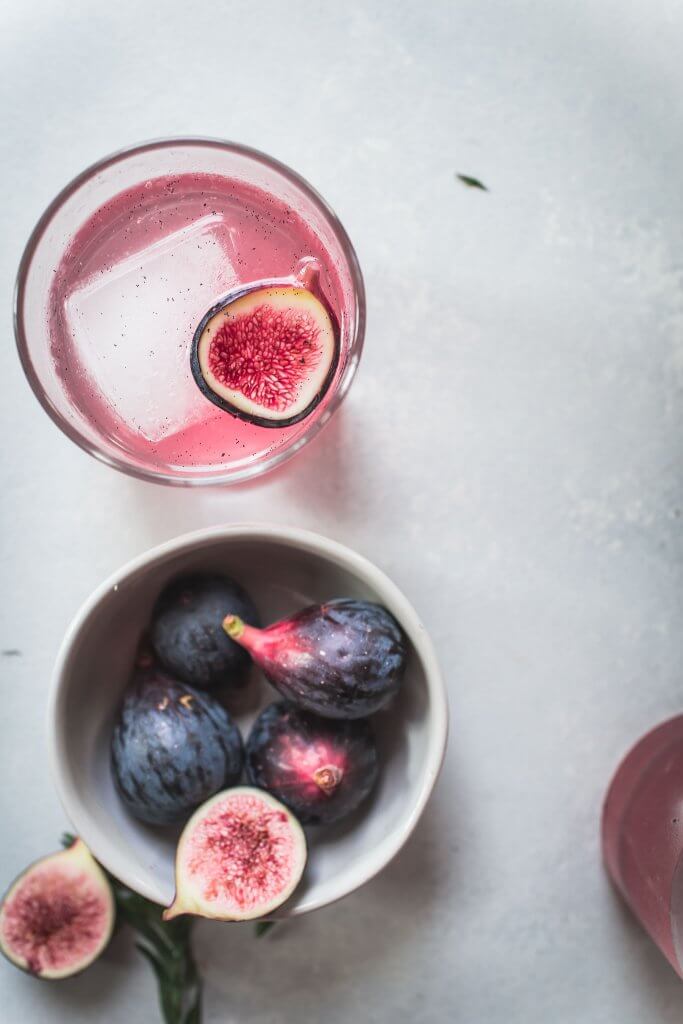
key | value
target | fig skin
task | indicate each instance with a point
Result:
(186, 632)
(44, 908)
(342, 659)
(321, 768)
(172, 748)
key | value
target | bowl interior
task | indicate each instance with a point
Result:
(95, 666)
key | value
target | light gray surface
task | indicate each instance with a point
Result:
(510, 455)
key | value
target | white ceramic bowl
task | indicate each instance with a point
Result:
(283, 569)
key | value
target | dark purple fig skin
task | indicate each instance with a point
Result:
(187, 634)
(172, 748)
(289, 750)
(342, 659)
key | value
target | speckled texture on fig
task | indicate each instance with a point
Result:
(288, 349)
(172, 748)
(341, 659)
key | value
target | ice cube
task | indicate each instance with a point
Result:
(133, 325)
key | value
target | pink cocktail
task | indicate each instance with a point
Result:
(642, 835)
(120, 273)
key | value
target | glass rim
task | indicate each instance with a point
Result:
(140, 472)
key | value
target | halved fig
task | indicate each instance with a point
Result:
(58, 915)
(240, 856)
(268, 355)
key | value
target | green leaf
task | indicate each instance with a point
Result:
(466, 179)
(263, 927)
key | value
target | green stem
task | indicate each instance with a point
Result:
(167, 946)
(263, 927)
(233, 626)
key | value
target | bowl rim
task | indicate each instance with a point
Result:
(141, 472)
(370, 863)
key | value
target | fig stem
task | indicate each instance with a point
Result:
(233, 626)
(242, 633)
(327, 778)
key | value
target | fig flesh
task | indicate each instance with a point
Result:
(240, 856)
(186, 631)
(268, 355)
(320, 768)
(172, 747)
(58, 916)
(342, 659)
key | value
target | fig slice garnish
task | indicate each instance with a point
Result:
(240, 856)
(267, 354)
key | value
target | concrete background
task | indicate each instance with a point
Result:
(510, 453)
